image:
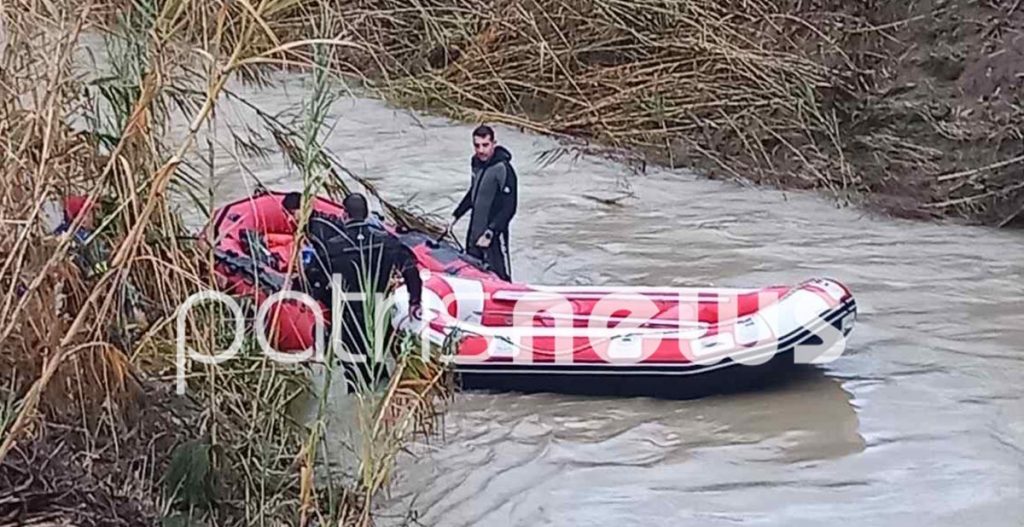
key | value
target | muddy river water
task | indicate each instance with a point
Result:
(920, 422)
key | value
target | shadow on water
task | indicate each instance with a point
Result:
(503, 449)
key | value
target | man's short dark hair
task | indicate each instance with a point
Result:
(484, 131)
(355, 206)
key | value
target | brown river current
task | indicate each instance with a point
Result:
(920, 422)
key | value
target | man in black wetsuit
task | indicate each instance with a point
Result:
(365, 256)
(493, 196)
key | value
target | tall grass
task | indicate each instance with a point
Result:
(729, 83)
(86, 325)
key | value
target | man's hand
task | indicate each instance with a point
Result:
(416, 311)
(484, 241)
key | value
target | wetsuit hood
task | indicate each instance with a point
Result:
(501, 155)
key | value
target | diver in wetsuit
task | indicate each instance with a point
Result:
(365, 257)
(493, 197)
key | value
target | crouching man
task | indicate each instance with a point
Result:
(365, 257)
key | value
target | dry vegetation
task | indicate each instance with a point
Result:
(91, 432)
(911, 107)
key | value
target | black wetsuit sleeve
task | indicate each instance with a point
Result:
(405, 260)
(491, 182)
(506, 212)
(465, 204)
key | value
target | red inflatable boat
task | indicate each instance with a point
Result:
(664, 342)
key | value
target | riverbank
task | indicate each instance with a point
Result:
(91, 429)
(911, 109)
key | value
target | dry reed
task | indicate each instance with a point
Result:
(806, 95)
(86, 326)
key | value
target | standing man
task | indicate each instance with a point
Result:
(493, 197)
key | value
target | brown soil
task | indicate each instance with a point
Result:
(950, 83)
